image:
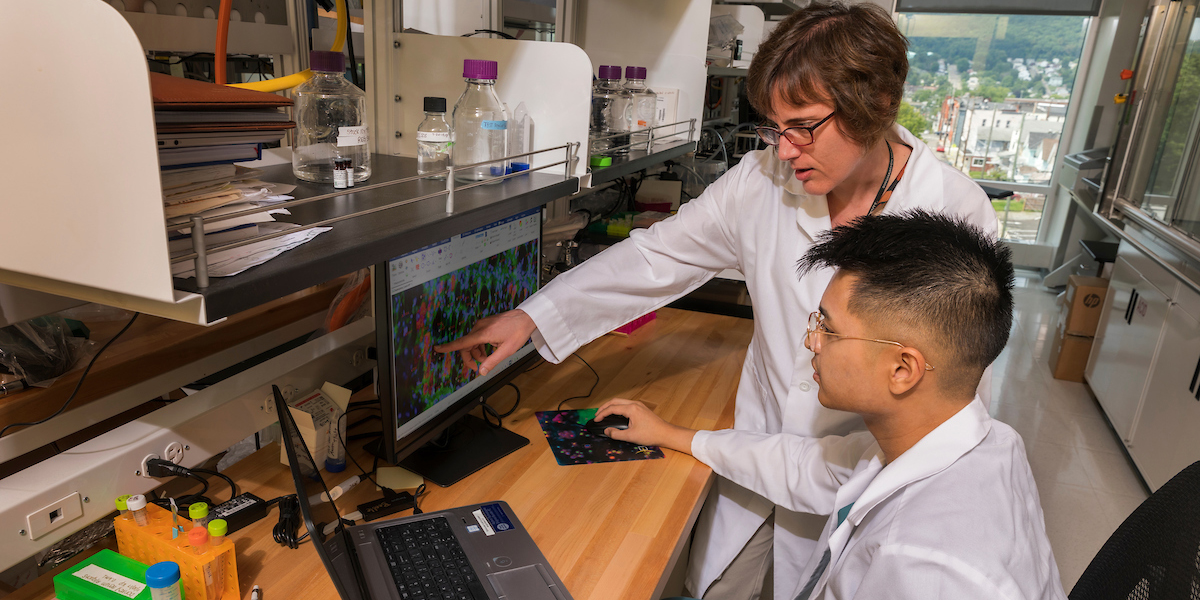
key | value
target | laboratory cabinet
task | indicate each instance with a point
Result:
(1126, 341)
(1165, 439)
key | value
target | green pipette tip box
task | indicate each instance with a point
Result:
(105, 575)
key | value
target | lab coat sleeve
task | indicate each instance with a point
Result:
(799, 473)
(651, 269)
(905, 572)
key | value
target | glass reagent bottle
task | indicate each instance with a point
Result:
(434, 138)
(645, 108)
(331, 123)
(480, 125)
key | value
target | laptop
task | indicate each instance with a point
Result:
(477, 552)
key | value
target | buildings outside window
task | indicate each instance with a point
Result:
(995, 90)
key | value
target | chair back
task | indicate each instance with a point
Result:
(1155, 553)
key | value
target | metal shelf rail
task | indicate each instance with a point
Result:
(636, 160)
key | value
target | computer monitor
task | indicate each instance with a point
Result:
(434, 295)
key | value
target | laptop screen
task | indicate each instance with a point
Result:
(308, 482)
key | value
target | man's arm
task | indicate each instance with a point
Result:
(801, 474)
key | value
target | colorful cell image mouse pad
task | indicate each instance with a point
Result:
(573, 444)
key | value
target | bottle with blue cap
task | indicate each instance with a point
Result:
(163, 580)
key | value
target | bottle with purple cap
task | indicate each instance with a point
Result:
(645, 108)
(612, 110)
(480, 124)
(331, 123)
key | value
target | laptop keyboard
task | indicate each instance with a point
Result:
(428, 563)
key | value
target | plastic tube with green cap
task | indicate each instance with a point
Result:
(198, 513)
(122, 504)
(217, 529)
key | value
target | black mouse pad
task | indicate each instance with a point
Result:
(573, 444)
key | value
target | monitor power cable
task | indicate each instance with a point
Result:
(78, 384)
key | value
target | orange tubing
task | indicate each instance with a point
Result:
(222, 41)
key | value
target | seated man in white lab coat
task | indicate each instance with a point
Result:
(935, 500)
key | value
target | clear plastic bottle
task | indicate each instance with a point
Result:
(137, 507)
(645, 108)
(331, 122)
(480, 124)
(612, 110)
(163, 580)
(198, 513)
(433, 139)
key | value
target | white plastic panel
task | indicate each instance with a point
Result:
(668, 37)
(85, 220)
(445, 17)
(552, 79)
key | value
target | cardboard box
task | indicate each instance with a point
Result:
(1069, 354)
(1085, 302)
(317, 415)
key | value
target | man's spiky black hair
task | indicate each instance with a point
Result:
(930, 272)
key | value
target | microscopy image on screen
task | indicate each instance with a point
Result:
(445, 308)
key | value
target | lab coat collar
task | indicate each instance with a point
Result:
(812, 212)
(931, 455)
(922, 181)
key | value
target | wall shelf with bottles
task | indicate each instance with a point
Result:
(392, 213)
(94, 229)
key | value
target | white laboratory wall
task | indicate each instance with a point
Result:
(447, 17)
(668, 37)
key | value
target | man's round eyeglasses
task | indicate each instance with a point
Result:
(817, 329)
(801, 135)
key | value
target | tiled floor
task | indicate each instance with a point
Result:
(1086, 482)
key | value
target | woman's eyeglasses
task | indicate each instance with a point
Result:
(801, 135)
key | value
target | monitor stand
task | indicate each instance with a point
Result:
(473, 445)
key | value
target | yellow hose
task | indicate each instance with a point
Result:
(343, 26)
(291, 81)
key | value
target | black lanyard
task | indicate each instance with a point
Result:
(886, 178)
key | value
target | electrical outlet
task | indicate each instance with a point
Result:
(54, 515)
(174, 452)
(144, 468)
(287, 391)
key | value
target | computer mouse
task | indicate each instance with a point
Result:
(615, 421)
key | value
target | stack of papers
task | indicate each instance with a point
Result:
(203, 129)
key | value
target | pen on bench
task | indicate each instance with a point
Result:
(256, 594)
(334, 493)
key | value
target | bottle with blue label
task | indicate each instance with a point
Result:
(480, 124)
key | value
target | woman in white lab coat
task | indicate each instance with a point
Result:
(830, 80)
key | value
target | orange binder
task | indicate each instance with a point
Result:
(177, 93)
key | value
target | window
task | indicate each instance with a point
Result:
(995, 90)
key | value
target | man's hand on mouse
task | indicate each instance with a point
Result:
(645, 427)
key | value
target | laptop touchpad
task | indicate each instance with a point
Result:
(524, 583)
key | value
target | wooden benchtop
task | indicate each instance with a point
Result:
(611, 531)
